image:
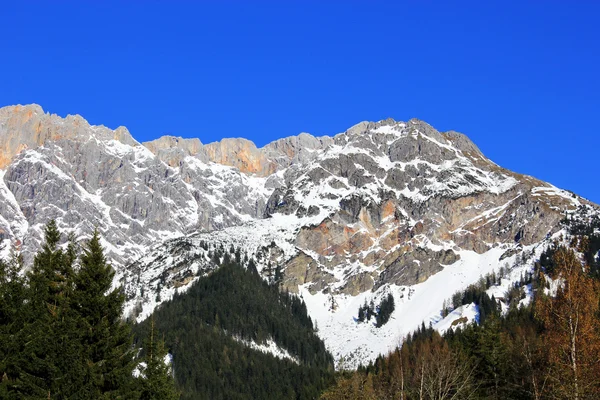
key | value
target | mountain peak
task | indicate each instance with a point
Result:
(28, 126)
(387, 206)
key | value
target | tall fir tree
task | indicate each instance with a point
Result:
(107, 340)
(12, 297)
(156, 380)
(46, 346)
(68, 339)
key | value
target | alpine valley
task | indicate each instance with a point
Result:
(384, 209)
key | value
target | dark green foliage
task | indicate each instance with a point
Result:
(381, 313)
(46, 359)
(488, 306)
(546, 260)
(210, 364)
(587, 228)
(61, 334)
(12, 296)
(278, 277)
(502, 351)
(366, 311)
(386, 308)
(157, 382)
(362, 312)
(107, 353)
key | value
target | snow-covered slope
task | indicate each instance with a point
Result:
(85, 176)
(385, 207)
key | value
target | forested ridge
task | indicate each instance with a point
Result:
(62, 335)
(549, 349)
(61, 331)
(199, 327)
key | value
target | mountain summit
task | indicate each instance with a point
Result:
(385, 208)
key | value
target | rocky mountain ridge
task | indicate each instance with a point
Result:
(385, 207)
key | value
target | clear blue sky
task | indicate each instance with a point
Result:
(520, 78)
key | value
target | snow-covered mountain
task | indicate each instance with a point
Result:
(386, 207)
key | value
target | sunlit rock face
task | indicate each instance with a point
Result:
(383, 205)
(86, 176)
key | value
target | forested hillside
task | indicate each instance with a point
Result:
(549, 349)
(61, 330)
(62, 335)
(206, 326)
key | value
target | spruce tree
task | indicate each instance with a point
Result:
(386, 308)
(156, 381)
(278, 277)
(46, 348)
(12, 296)
(106, 339)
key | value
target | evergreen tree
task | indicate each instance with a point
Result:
(156, 381)
(67, 339)
(12, 296)
(46, 348)
(107, 353)
(252, 267)
(493, 363)
(362, 312)
(269, 272)
(278, 276)
(386, 308)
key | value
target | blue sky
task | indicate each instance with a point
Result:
(519, 78)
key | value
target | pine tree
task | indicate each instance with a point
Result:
(252, 266)
(493, 364)
(362, 310)
(269, 273)
(156, 381)
(46, 347)
(52, 273)
(386, 308)
(106, 339)
(12, 296)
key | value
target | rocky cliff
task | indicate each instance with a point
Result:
(385, 207)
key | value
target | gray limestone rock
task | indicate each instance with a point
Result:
(361, 206)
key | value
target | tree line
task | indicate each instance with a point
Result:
(549, 349)
(61, 331)
(205, 328)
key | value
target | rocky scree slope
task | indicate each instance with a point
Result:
(386, 207)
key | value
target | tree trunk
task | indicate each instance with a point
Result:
(422, 378)
(401, 378)
(574, 354)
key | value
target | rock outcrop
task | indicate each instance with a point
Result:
(382, 206)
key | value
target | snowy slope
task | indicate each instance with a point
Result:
(385, 207)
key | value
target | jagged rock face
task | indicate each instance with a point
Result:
(86, 176)
(381, 206)
(241, 153)
(373, 194)
(399, 199)
(24, 127)
(385, 203)
(173, 150)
